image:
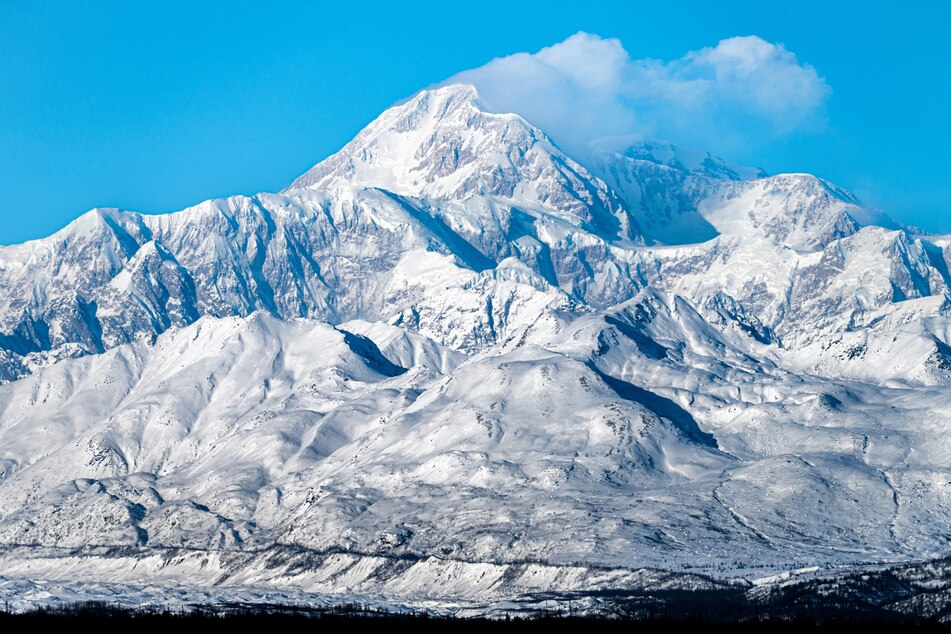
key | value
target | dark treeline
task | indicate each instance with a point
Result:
(101, 618)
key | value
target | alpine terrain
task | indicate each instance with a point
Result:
(451, 365)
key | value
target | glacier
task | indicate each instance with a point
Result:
(451, 365)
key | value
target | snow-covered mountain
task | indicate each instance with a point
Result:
(442, 145)
(451, 362)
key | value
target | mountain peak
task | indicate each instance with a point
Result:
(414, 145)
(450, 95)
(443, 145)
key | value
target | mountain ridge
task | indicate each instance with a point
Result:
(483, 228)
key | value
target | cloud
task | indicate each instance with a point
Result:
(742, 92)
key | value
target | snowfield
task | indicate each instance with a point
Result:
(451, 366)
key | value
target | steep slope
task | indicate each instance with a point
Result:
(798, 299)
(442, 145)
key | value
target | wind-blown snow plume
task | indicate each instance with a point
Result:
(587, 88)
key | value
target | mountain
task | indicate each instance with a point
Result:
(452, 365)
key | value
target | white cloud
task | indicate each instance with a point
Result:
(739, 93)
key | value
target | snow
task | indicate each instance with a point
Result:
(451, 365)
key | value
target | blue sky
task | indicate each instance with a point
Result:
(154, 108)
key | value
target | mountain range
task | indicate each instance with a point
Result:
(452, 365)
